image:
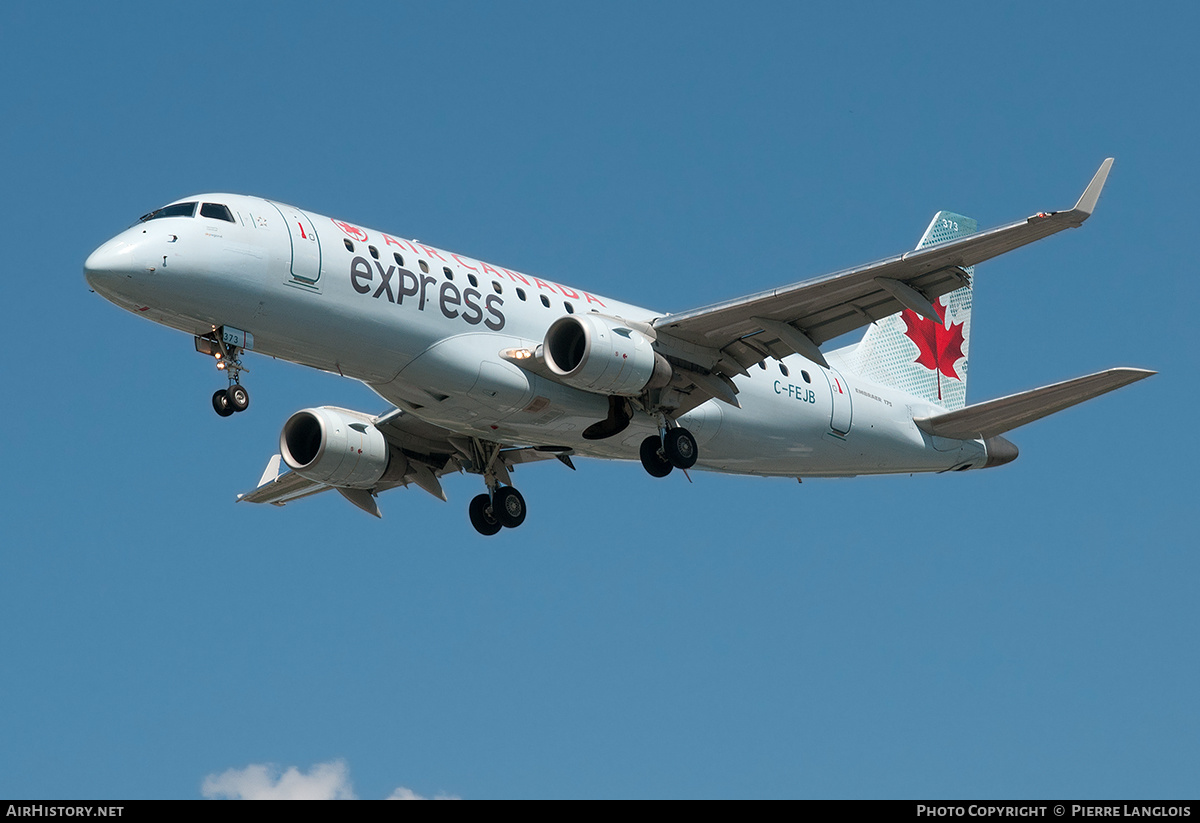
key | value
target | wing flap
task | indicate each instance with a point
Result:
(993, 418)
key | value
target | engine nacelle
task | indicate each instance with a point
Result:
(329, 446)
(603, 355)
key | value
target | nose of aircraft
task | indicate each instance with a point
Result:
(106, 264)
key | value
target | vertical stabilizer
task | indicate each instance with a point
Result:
(917, 355)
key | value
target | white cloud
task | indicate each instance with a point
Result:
(402, 793)
(325, 781)
(265, 781)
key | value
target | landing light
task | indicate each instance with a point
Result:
(518, 354)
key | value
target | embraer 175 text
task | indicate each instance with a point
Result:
(486, 368)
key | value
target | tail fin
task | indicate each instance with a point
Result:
(914, 354)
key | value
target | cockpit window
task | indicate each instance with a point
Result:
(216, 211)
(175, 210)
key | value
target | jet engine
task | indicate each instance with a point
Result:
(329, 446)
(603, 355)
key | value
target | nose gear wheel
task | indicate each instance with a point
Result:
(220, 401)
(237, 398)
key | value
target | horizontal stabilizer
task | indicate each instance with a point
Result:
(983, 420)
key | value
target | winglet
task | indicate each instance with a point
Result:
(1087, 201)
(271, 472)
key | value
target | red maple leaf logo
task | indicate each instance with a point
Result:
(353, 231)
(939, 348)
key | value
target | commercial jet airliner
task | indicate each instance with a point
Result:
(486, 368)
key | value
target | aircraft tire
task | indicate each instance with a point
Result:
(508, 507)
(680, 448)
(481, 515)
(238, 398)
(221, 403)
(652, 459)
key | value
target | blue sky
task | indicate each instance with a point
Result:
(1024, 632)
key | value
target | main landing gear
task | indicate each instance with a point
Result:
(675, 449)
(503, 508)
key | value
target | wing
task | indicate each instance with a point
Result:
(725, 338)
(431, 452)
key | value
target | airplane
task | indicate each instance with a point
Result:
(486, 368)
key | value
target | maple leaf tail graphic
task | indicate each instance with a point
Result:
(885, 354)
(938, 347)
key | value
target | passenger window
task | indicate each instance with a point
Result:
(521, 293)
(446, 271)
(570, 309)
(496, 288)
(374, 252)
(545, 301)
(807, 379)
(399, 260)
(762, 364)
(474, 280)
(177, 210)
(783, 370)
(216, 211)
(424, 266)
(349, 245)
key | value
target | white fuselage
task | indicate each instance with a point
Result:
(425, 327)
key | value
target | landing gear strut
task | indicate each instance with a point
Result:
(676, 448)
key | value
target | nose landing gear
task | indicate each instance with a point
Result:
(228, 356)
